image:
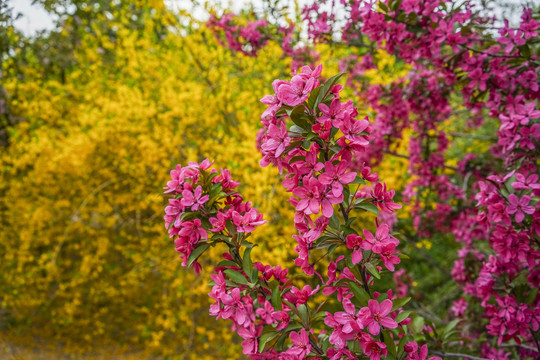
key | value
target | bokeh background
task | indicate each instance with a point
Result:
(94, 112)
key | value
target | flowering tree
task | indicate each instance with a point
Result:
(466, 74)
(343, 315)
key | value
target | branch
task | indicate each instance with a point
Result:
(523, 346)
(316, 347)
(472, 136)
(406, 157)
(457, 355)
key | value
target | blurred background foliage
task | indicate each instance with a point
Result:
(93, 115)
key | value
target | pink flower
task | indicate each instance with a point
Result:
(302, 296)
(313, 197)
(301, 343)
(387, 255)
(297, 91)
(357, 243)
(336, 176)
(266, 313)
(383, 198)
(374, 349)
(194, 199)
(522, 183)
(282, 318)
(277, 140)
(375, 315)
(273, 101)
(381, 236)
(250, 344)
(334, 113)
(519, 207)
(219, 222)
(248, 221)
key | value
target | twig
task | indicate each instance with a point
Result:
(406, 157)
(457, 355)
(316, 347)
(472, 136)
(523, 346)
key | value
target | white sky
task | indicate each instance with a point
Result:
(35, 18)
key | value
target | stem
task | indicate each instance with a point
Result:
(458, 355)
(406, 157)
(535, 339)
(364, 280)
(316, 347)
(472, 136)
(523, 346)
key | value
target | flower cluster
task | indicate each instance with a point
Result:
(316, 151)
(489, 202)
(245, 39)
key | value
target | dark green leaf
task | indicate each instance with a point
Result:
(373, 270)
(368, 207)
(247, 264)
(196, 253)
(359, 293)
(267, 337)
(402, 316)
(276, 298)
(334, 221)
(390, 345)
(313, 98)
(398, 303)
(226, 263)
(358, 180)
(326, 88)
(236, 276)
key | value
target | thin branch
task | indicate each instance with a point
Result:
(316, 347)
(472, 136)
(523, 346)
(457, 355)
(406, 157)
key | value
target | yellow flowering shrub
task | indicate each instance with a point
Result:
(86, 259)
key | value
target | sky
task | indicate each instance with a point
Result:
(35, 18)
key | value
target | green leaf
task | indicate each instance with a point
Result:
(532, 295)
(276, 298)
(196, 253)
(326, 89)
(398, 303)
(334, 221)
(358, 180)
(417, 324)
(333, 132)
(373, 270)
(236, 276)
(296, 129)
(304, 313)
(226, 263)
(266, 337)
(347, 230)
(368, 207)
(332, 248)
(390, 345)
(313, 98)
(525, 51)
(247, 264)
(299, 117)
(402, 316)
(189, 215)
(448, 328)
(360, 294)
